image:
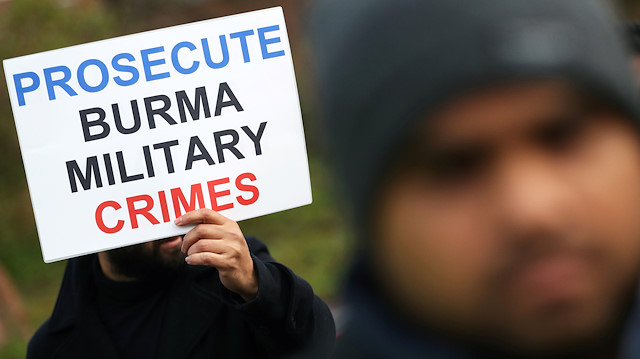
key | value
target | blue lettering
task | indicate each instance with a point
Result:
(176, 62)
(62, 83)
(242, 35)
(264, 42)
(20, 89)
(223, 48)
(147, 64)
(135, 75)
(103, 71)
(129, 74)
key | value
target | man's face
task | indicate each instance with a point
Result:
(140, 260)
(514, 219)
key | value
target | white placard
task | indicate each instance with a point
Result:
(121, 136)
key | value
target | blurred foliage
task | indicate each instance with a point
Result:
(312, 240)
(28, 26)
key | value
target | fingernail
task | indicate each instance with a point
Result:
(187, 259)
(178, 220)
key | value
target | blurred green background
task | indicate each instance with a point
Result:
(313, 240)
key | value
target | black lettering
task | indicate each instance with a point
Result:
(98, 122)
(148, 161)
(162, 111)
(192, 157)
(123, 170)
(166, 146)
(231, 146)
(109, 167)
(92, 170)
(194, 110)
(233, 101)
(256, 137)
(136, 118)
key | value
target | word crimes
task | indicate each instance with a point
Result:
(141, 207)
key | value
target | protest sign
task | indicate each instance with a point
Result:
(120, 137)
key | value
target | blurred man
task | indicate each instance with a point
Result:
(232, 300)
(490, 150)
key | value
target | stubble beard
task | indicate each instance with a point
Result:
(139, 261)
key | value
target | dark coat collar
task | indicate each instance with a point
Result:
(192, 310)
(376, 331)
(76, 291)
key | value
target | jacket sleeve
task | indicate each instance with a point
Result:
(39, 343)
(289, 319)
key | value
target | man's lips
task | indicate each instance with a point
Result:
(551, 280)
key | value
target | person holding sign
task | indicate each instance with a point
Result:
(150, 136)
(212, 293)
(491, 154)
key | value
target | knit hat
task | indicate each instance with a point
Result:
(381, 65)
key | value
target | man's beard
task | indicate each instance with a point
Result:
(139, 261)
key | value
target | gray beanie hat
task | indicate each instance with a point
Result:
(382, 64)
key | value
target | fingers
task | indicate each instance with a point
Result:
(202, 232)
(220, 261)
(235, 274)
(206, 259)
(203, 215)
(209, 225)
(217, 241)
(211, 245)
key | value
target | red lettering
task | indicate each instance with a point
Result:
(178, 199)
(214, 195)
(163, 206)
(244, 183)
(247, 188)
(134, 212)
(100, 221)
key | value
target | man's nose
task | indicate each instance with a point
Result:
(532, 193)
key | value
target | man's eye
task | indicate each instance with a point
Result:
(560, 135)
(454, 166)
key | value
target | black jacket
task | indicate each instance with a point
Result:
(376, 331)
(203, 319)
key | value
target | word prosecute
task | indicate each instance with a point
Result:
(179, 202)
(152, 62)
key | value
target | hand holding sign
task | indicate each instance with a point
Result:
(217, 241)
